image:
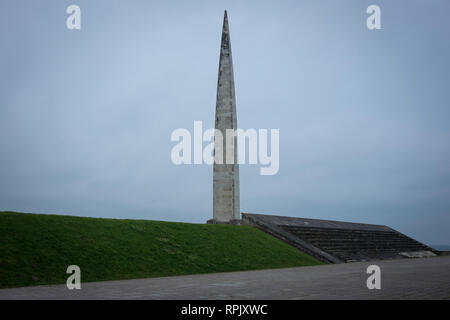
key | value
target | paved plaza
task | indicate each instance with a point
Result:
(427, 278)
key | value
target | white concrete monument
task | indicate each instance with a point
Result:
(226, 208)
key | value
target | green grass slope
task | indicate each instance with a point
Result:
(36, 249)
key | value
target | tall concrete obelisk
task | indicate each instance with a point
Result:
(226, 205)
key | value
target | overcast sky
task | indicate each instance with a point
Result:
(86, 115)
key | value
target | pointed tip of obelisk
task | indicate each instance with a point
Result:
(225, 19)
(225, 32)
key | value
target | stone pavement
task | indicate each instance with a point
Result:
(427, 278)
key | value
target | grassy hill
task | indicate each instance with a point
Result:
(36, 249)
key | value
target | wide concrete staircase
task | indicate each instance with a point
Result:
(337, 241)
(356, 245)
